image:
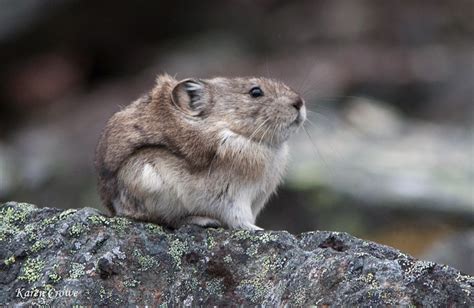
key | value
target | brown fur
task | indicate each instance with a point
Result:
(162, 124)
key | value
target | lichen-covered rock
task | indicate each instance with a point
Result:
(79, 257)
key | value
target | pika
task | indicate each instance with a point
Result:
(198, 151)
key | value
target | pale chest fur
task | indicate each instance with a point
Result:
(234, 186)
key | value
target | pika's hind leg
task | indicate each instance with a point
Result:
(205, 222)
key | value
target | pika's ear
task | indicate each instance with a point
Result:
(189, 95)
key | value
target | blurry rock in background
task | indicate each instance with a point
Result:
(457, 250)
(388, 152)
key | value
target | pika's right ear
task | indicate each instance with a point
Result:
(189, 95)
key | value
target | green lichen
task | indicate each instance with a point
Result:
(241, 235)
(176, 250)
(32, 232)
(191, 284)
(97, 220)
(11, 218)
(39, 245)
(77, 270)
(146, 262)
(215, 287)
(252, 250)
(131, 283)
(14, 215)
(264, 237)
(299, 297)
(260, 288)
(48, 287)
(67, 213)
(369, 278)
(53, 275)
(76, 229)
(9, 261)
(154, 228)
(50, 220)
(210, 241)
(259, 282)
(104, 293)
(32, 269)
(119, 223)
(7, 231)
(228, 259)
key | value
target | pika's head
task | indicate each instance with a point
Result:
(260, 109)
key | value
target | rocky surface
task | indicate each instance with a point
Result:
(50, 256)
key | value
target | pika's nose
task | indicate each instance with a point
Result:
(298, 103)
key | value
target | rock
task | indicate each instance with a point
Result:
(80, 257)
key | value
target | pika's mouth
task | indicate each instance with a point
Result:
(300, 118)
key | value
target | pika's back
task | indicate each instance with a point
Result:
(204, 123)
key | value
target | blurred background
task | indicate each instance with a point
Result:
(388, 154)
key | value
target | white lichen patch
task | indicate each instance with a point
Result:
(32, 270)
(176, 250)
(77, 270)
(146, 262)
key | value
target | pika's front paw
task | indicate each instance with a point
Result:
(250, 227)
(202, 221)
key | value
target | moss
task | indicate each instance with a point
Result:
(77, 270)
(145, 262)
(32, 270)
(9, 261)
(176, 250)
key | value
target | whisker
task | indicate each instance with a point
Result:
(305, 79)
(264, 134)
(315, 148)
(260, 126)
(277, 128)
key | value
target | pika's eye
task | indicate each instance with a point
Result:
(256, 92)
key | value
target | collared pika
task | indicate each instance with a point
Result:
(201, 151)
